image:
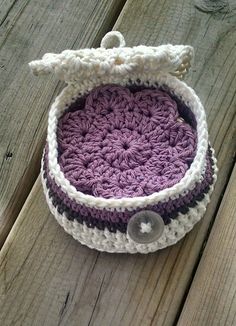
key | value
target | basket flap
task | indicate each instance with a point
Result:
(112, 58)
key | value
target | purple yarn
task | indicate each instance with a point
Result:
(124, 144)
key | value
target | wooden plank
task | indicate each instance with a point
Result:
(53, 280)
(28, 29)
(212, 296)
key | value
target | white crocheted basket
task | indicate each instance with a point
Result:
(109, 221)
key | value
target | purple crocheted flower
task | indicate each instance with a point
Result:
(124, 143)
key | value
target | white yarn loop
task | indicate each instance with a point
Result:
(113, 39)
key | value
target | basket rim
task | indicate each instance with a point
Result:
(176, 87)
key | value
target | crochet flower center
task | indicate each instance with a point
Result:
(120, 142)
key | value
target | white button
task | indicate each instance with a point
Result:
(145, 227)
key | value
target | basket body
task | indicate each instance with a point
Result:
(108, 221)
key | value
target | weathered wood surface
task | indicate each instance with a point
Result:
(48, 278)
(28, 29)
(212, 297)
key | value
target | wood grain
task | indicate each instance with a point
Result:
(28, 29)
(46, 278)
(212, 297)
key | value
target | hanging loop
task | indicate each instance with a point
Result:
(113, 39)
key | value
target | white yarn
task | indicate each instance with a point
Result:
(74, 66)
(145, 227)
(121, 242)
(113, 39)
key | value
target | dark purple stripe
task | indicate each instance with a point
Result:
(167, 210)
(121, 226)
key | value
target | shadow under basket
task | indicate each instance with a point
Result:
(127, 166)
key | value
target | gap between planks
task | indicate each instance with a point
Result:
(211, 298)
(201, 252)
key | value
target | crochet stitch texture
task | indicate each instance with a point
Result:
(124, 144)
(127, 142)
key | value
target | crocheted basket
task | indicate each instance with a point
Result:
(127, 166)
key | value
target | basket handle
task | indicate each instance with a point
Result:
(113, 39)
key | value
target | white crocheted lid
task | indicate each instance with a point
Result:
(87, 68)
(113, 58)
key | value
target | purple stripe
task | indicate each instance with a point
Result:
(164, 209)
(92, 222)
